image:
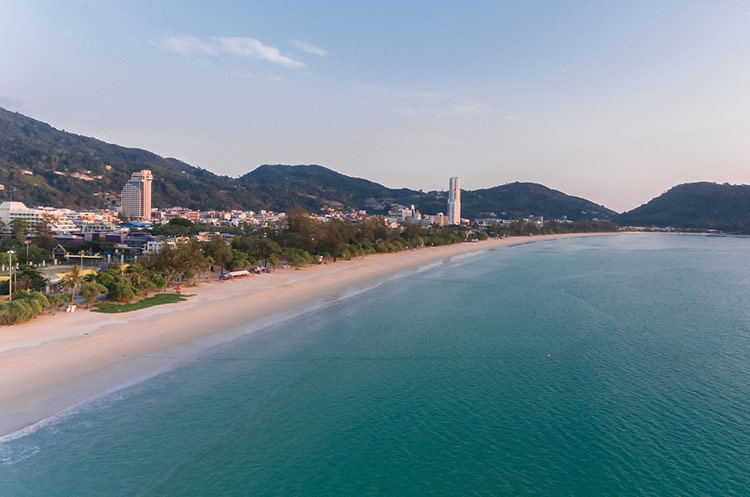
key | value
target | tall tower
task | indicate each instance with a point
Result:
(136, 196)
(454, 201)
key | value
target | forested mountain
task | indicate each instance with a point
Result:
(509, 201)
(69, 170)
(700, 206)
(516, 200)
(314, 186)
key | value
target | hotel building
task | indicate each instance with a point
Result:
(58, 220)
(454, 201)
(136, 196)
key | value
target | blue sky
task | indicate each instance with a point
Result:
(612, 101)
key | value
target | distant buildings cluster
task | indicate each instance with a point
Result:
(399, 214)
(217, 217)
(124, 225)
(57, 220)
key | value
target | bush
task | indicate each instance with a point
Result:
(24, 307)
(92, 291)
(118, 286)
(298, 257)
(40, 298)
(158, 282)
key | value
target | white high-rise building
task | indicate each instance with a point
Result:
(454, 201)
(136, 196)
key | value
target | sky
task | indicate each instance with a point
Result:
(612, 101)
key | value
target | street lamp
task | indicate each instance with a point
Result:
(27, 242)
(10, 275)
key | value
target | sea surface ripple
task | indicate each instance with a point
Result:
(594, 366)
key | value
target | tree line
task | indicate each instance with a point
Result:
(300, 240)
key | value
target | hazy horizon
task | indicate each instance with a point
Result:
(612, 103)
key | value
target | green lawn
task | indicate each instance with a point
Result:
(158, 299)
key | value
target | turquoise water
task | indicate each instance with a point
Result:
(440, 384)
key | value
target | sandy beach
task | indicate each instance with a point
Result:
(56, 362)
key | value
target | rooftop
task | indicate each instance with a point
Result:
(13, 205)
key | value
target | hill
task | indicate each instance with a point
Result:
(70, 170)
(700, 206)
(308, 184)
(313, 187)
(516, 200)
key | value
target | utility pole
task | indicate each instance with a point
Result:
(10, 275)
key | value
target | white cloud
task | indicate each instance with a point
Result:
(187, 45)
(239, 46)
(309, 48)
(249, 47)
(244, 75)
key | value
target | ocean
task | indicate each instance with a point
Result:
(615, 365)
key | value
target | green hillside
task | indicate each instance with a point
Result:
(701, 206)
(308, 183)
(53, 156)
(516, 200)
(69, 170)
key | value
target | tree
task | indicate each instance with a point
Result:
(137, 273)
(219, 251)
(168, 275)
(118, 286)
(191, 261)
(72, 280)
(90, 291)
(240, 260)
(17, 311)
(58, 300)
(336, 237)
(30, 278)
(19, 228)
(46, 222)
(302, 231)
(176, 227)
(40, 299)
(180, 221)
(158, 282)
(297, 257)
(165, 263)
(24, 307)
(266, 251)
(43, 231)
(122, 292)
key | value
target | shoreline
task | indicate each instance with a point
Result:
(55, 363)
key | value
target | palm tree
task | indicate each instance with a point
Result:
(168, 274)
(138, 274)
(72, 280)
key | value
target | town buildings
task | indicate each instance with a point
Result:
(57, 220)
(136, 196)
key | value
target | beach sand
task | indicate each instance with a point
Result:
(56, 362)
